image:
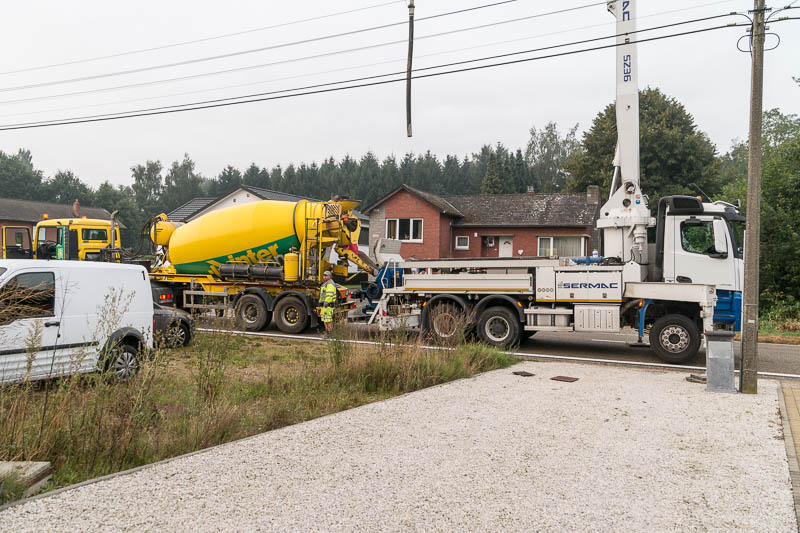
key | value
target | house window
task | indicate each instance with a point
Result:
(462, 242)
(567, 246)
(404, 229)
(490, 242)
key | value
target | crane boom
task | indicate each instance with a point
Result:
(625, 216)
(627, 157)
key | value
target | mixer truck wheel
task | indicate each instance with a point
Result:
(291, 315)
(252, 313)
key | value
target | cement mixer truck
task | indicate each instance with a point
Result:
(260, 259)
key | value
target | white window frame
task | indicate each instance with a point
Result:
(583, 238)
(411, 228)
(462, 247)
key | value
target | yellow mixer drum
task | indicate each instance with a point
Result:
(250, 233)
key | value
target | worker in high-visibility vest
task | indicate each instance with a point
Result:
(327, 300)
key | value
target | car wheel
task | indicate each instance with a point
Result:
(252, 312)
(178, 335)
(675, 338)
(499, 326)
(124, 362)
(291, 315)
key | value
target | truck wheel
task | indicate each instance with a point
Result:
(252, 312)
(675, 338)
(499, 326)
(291, 315)
(443, 322)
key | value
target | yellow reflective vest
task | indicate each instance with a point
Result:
(327, 293)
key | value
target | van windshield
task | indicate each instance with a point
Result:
(2, 269)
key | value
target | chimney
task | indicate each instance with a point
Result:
(76, 209)
(593, 194)
(531, 189)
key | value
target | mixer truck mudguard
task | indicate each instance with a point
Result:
(260, 260)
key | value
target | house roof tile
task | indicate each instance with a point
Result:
(184, 212)
(29, 211)
(558, 209)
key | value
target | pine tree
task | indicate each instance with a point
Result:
(491, 181)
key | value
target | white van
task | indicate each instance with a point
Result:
(65, 317)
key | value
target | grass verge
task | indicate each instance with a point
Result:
(221, 388)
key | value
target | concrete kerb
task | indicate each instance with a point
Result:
(791, 454)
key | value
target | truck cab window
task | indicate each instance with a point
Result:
(738, 236)
(28, 295)
(697, 237)
(94, 234)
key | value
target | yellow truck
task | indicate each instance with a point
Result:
(261, 260)
(77, 239)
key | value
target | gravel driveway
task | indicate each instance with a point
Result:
(618, 450)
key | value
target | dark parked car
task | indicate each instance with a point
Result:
(173, 327)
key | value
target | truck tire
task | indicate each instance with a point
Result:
(291, 315)
(251, 312)
(443, 323)
(675, 338)
(499, 326)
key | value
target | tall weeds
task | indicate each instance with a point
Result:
(227, 388)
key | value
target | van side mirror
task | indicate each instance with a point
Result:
(720, 239)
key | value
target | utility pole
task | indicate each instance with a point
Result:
(410, 60)
(749, 377)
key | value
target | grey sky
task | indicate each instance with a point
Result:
(452, 114)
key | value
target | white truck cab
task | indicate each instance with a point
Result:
(66, 317)
(703, 243)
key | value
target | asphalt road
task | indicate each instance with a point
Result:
(776, 358)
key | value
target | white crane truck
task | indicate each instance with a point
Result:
(688, 282)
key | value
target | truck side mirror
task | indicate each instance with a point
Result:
(720, 239)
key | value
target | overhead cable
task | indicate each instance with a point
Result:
(142, 113)
(260, 49)
(342, 69)
(201, 40)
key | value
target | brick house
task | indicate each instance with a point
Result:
(501, 225)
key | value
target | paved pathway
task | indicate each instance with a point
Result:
(617, 450)
(791, 396)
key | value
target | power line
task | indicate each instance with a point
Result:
(444, 65)
(257, 50)
(202, 40)
(354, 67)
(287, 61)
(120, 116)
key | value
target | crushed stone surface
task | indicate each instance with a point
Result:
(618, 450)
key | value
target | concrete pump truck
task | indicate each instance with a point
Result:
(688, 281)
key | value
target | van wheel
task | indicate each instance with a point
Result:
(499, 326)
(291, 315)
(124, 362)
(251, 312)
(675, 339)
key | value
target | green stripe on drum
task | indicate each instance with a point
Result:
(266, 252)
